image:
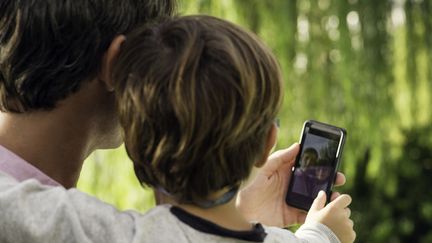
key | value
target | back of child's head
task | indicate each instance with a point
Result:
(197, 97)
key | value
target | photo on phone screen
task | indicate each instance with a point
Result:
(316, 165)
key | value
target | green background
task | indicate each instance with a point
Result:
(359, 64)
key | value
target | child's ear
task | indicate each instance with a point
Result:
(270, 143)
(108, 60)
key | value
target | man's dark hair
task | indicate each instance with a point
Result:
(49, 48)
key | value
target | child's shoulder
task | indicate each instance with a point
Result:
(160, 223)
(275, 234)
(158, 218)
(159, 210)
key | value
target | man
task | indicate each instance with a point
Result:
(58, 107)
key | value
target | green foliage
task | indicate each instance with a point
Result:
(109, 176)
(362, 65)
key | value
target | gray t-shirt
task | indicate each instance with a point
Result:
(163, 224)
(31, 212)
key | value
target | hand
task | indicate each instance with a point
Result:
(263, 199)
(336, 216)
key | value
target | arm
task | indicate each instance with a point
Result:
(307, 233)
(324, 223)
(31, 212)
(264, 198)
(316, 232)
(335, 215)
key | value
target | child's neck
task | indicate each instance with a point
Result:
(225, 215)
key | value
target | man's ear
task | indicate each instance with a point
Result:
(270, 143)
(108, 60)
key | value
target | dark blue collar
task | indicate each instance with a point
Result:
(225, 198)
(256, 234)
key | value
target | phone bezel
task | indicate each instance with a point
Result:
(328, 131)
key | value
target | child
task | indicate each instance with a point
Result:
(198, 98)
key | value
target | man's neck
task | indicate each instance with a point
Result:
(58, 141)
(52, 143)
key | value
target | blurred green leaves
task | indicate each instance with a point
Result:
(363, 65)
(109, 176)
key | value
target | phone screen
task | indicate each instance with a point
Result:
(316, 164)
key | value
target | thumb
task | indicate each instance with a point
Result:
(281, 158)
(286, 155)
(319, 202)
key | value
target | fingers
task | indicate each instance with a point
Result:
(340, 179)
(334, 195)
(348, 212)
(352, 236)
(319, 202)
(342, 201)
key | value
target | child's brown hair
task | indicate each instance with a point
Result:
(197, 97)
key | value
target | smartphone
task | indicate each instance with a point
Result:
(317, 163)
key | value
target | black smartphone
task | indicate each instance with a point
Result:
(316, 164)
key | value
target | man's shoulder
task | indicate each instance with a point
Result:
(6, 178)
(64, 215)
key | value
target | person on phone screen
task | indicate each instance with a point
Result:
(304, 182)
(197, 99)
(313, 174)
(310, 156)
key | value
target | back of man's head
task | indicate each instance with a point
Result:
(48, 48)
(197, 97)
